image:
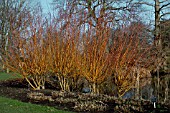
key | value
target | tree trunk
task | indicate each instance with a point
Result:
(158, 81)
(7, 70)
(158, 40)
(166, 88)
(137, 85)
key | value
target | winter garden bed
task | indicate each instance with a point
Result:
(75, 101)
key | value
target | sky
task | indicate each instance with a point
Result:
(45, 5)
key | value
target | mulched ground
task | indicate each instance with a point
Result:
(75, 101)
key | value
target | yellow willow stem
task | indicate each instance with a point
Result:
(30, 83)
(43, 83)
(34, 81)
(60, 82)
(67, 86)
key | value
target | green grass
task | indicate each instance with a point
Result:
(15, 106)
(7, 76)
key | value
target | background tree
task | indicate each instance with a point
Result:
(161, 11)
(116, 11)
(161, 14)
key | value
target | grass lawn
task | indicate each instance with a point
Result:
(14, 106)
(7, 76)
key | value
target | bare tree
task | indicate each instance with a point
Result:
(161, 12)
(116, 11)
(160, 8)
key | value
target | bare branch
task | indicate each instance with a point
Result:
(146, 3)
(164, 14)
(165, 5)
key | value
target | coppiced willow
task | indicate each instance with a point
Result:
(95, 60)
(129, 50)
(65, 54)
(28, 54)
